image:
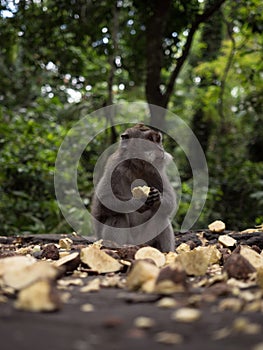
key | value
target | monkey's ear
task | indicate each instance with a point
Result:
(124, 136)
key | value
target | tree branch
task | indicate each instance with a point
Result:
(180, 61)
(225, 74)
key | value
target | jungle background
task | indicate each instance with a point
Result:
(61, 60)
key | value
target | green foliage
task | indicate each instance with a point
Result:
(29, 143)
(55, 66)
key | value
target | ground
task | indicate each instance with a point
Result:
(111, 324)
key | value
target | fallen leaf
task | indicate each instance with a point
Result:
(167, 303)
(144, 322)
(39, 296)
(252, 256)
(227, 241)
(21, 277)
(87, 308)
(92, 286)
(65, 243)
(196, 261)
(141, 272)
(232, 304)
(15, 263)
(171, 279)
(151, 253)
(186, 315)
(217, 226)
(169, 338)
(98, 260)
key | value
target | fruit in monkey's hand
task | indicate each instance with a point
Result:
(141, 192)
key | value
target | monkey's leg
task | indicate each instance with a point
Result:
(164, 241)
(108, 229)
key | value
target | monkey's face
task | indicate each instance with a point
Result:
(143, 142)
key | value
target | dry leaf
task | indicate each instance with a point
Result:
(92, 286)
(3, 299)
(141, 272)
(22, 277)
(87, 308)
(70, 261)
(148, 286)
(243, 325)
(221, 333)
(98, 260)
(113, 281)
(215, 255)
(260, 276)
(15, 263)
(170, 258)
(171, 279)
(70, 282)
(196, 261)
(217, 226)
(144, 322)
(186, 315)
(167, 303)
(232, 304)
(168, 338)
(183, 247)
(254, 306)
(151, 253)
(252, 256)
(65, 243)
(39, 296)
(252, 230)
(227, 241)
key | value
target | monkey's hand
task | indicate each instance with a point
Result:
(153, 199)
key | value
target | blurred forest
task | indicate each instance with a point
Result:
(62, 59)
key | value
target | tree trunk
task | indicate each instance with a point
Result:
(154, 56)
(155, 26)
(212, 38)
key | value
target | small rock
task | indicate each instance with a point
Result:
(238, 267)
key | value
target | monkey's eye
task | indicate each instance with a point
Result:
(150, 138)
(158, 138)
(154, 138)
(124, 136)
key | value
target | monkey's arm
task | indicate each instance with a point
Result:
(153, 200)
(167, 199)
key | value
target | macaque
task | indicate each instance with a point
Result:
(140, 160)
